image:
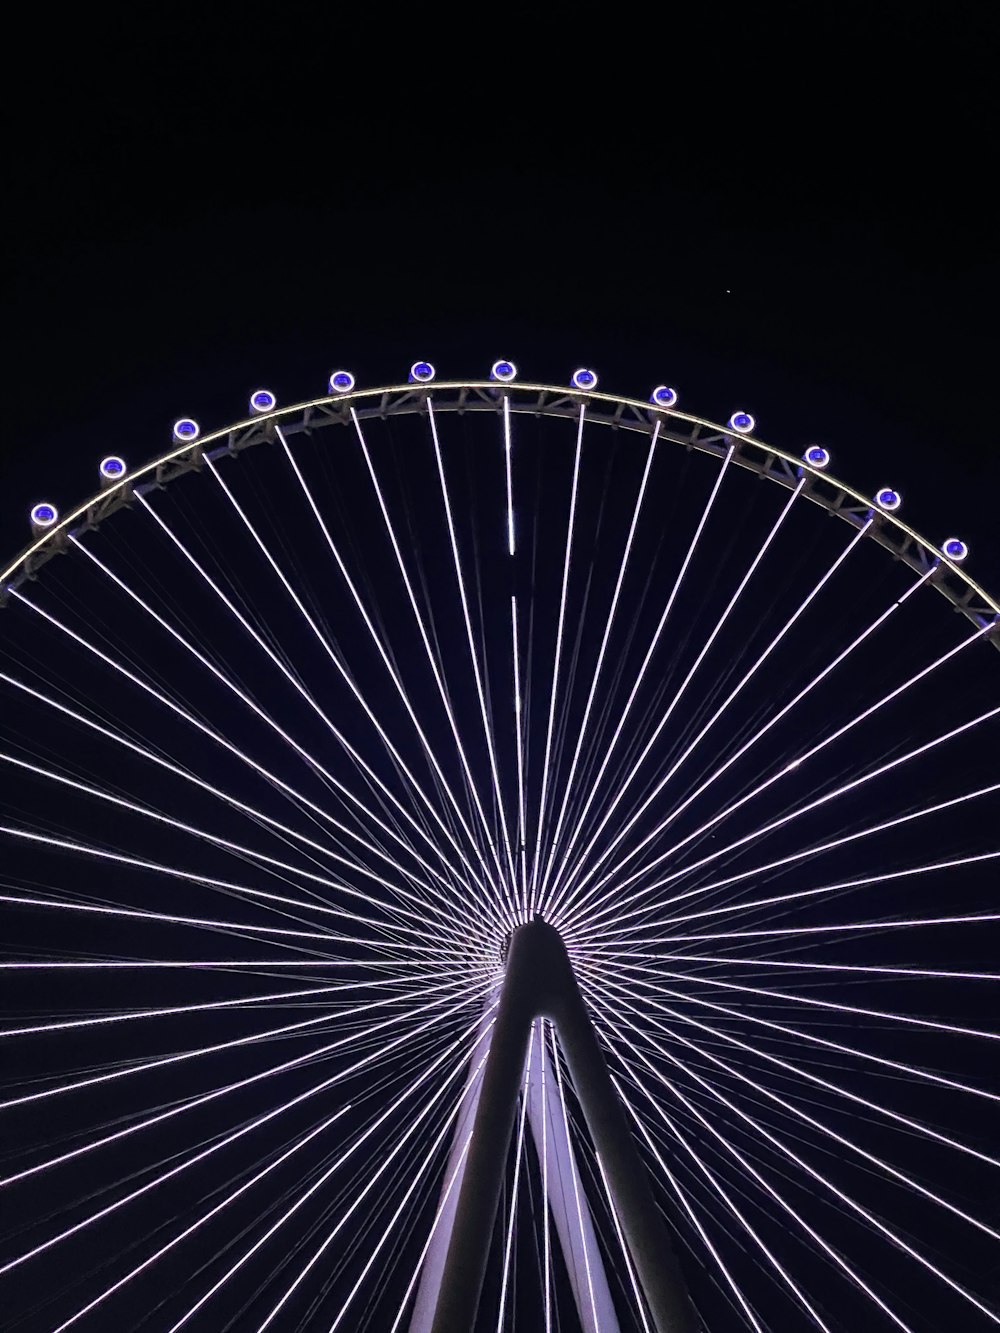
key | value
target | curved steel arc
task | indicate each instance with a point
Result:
(540, 983)
(619, 413)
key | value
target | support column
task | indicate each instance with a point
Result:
(540, 984)
(574, 1226)
(434, 1260)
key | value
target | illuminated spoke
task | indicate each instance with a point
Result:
(899, 1066)
(578, 883)
(630, 1000)
(473, 652)
(193, 721)
(394, 676)
(800, 1071)
(636, 935)
(431, 658)
(258, 816)
(892, 1236)
(781, 822)
(774, 1194)
(553, 693)
(256, 1037)
(759, 871)
(246, 852)
(601, 652)
(555, 898)
(188, 1231)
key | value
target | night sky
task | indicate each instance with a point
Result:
(796, 218)
(791, 216)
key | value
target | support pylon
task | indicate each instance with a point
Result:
(540, 983)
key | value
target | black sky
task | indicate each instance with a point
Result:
(794, 216)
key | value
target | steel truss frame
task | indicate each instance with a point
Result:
(538, 400)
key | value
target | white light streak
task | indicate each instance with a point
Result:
(205, 1217)
(473, 654)
(373, 1180)
(703, 1234)
(802, 1072)
(808, 852)
(774, 824)
(519, 739)
(174, 872)
(772, 721)
(507, 469)
(560, 626)
(221, 740)
(248, 810)
(626, 784)
(394, 676)
(425, 639)
(892, 1236)
(789, 1107)
(263, 714)
(595, 678)
(546, 1228)
(747, 1166)
(752, 904)
(640, 1304)
(518, 1153)
(786, 1277)
(447, 924)
(299, 1026)
(322, 1179)
(825, 1042)
(555, 896)
(745, 678)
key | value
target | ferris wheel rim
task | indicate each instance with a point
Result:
(649, 423)
(776, 464)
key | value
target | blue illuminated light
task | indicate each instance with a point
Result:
(887, 498)
(742, 423)
(341, 381)
(112, 468)
(955, 549)
(584, 379)
(44, 515)
(503, 370)
(663, 396)
(422, 372)
(186, 430)
(817, 456)
(262, 400)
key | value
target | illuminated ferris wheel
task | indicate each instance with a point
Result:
(476, 858)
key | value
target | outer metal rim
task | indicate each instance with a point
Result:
(462, 396)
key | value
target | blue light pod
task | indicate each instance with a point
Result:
(186, 431)
(44, 515)
(341, 381)
(262, 400)
(742, 423)
(112, 468)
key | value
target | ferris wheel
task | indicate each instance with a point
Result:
(468, 846)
